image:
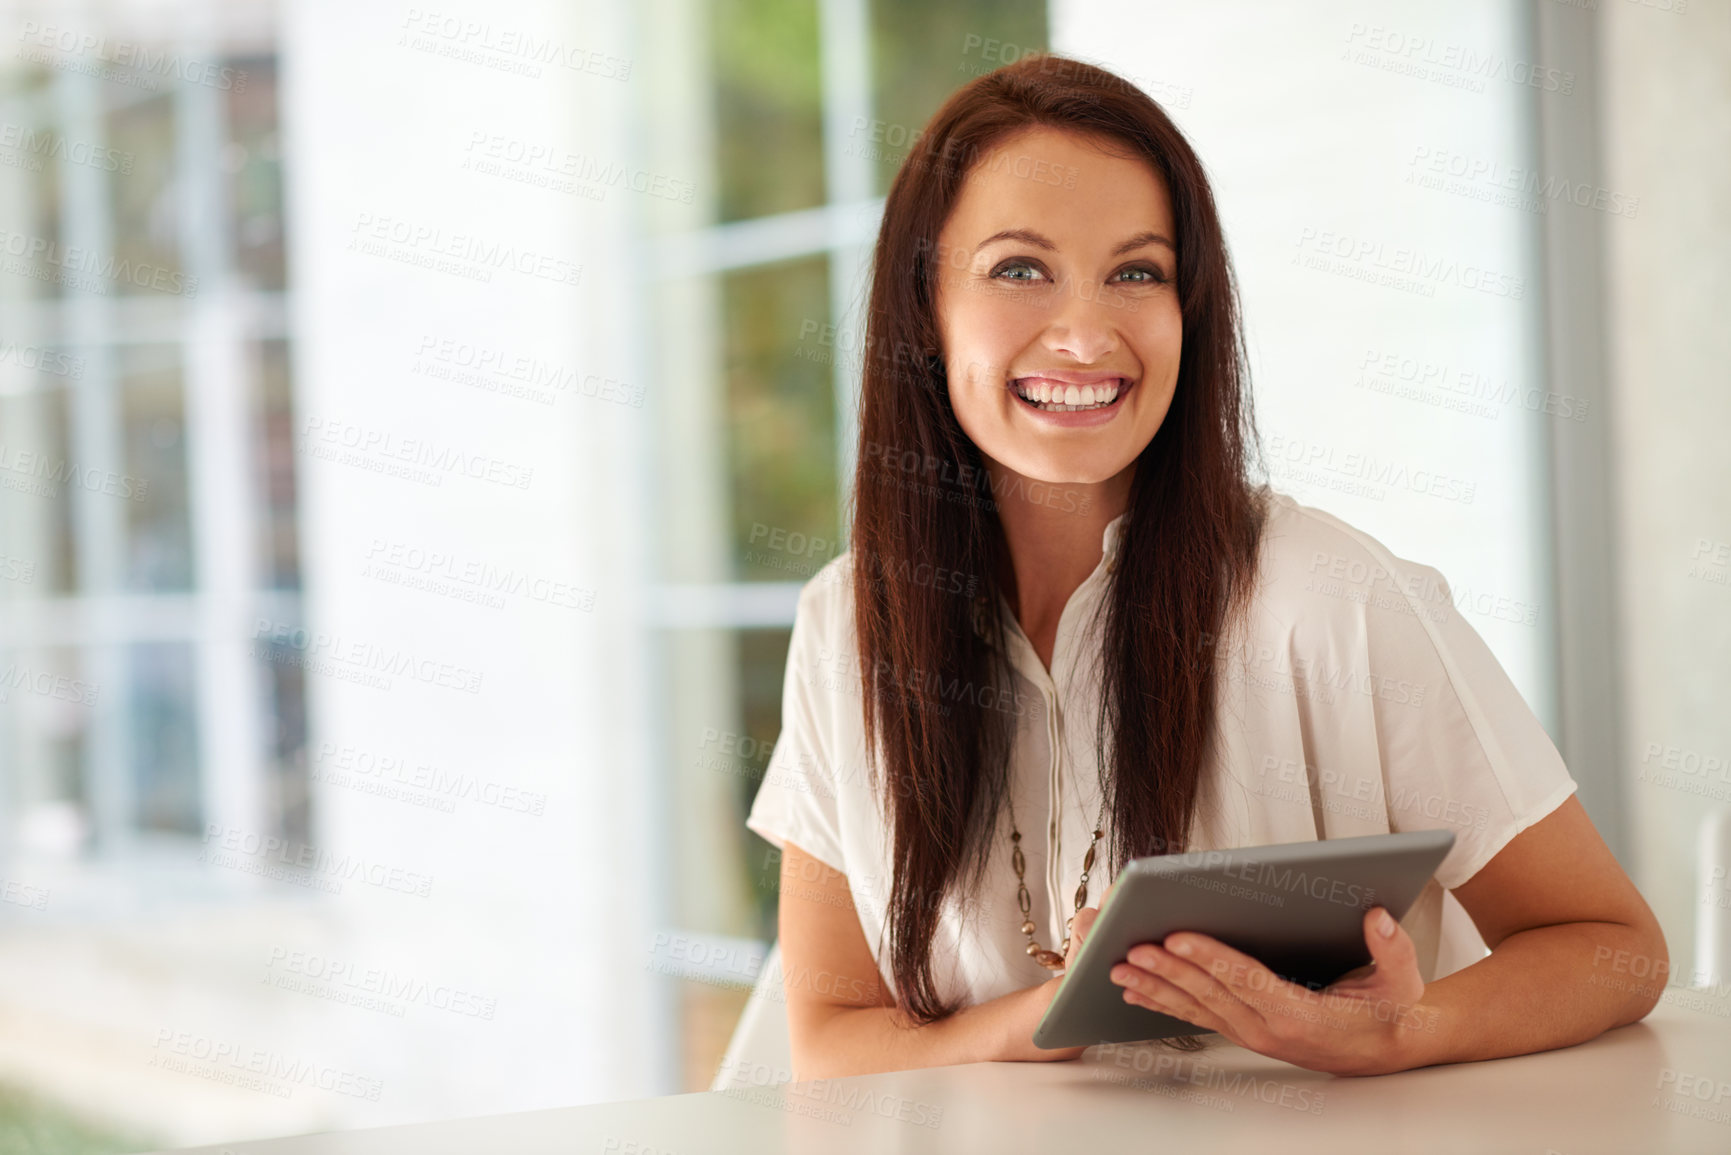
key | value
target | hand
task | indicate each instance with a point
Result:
(1360, 1025)
(1081, 925)
(1028, 1015)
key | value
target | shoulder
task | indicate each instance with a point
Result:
(830, 590)
(1315, 567)
(823, 624)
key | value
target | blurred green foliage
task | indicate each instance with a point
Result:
(29, 1126)
(768, 107)
(780, 417)
(922, 52)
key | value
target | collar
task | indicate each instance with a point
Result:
(1111, 540)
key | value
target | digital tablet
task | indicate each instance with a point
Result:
(1298, 908)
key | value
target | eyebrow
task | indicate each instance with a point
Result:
(1031, 237)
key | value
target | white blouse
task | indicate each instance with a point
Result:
(1354, 700)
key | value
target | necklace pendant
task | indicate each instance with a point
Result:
(1050, 959)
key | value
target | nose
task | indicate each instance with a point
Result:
(1083, 325)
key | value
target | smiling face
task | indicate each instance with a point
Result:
(1058, 306)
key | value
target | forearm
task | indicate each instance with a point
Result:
(864, 1040)
(1547, 987)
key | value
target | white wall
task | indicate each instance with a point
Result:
(1667, 113)
(388, 119)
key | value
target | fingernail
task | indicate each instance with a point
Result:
(1181, 947)
(1385, 924)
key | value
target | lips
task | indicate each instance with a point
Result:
(1071, 392)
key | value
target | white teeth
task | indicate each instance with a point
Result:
(1067, 398)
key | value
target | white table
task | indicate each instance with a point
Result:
(1662, 1085)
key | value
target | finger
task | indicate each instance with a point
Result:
(1196, 957)
(1399, 955)
(1279, 1010)
(1255, 1000)
(1393, 954)
(1079, 928)
(1155, 993)
(1193, 978)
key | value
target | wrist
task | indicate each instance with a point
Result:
(1418, 1036)
(1023, 1011)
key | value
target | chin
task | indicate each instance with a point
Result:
(1064, 469)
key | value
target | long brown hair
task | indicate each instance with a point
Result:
(933, 685)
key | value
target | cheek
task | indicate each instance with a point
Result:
(1160, 335)
(1159, 346)
(983, 334)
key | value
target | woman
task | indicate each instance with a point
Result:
(1079, 634)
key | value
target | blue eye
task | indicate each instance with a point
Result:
(1000, 273)
(1152, 275)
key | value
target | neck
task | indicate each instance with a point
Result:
(1053, 532)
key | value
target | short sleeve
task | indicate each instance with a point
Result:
(1461, 749)
(798, 799)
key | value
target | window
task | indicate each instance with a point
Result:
(147, 490)
(813, 105)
